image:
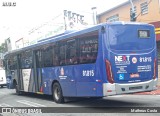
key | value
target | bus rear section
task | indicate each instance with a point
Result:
(130, 60)
(2, 78)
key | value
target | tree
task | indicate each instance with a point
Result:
(3, 48)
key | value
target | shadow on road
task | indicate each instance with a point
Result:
(87, 102)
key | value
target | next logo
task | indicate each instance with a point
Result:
(122, 58)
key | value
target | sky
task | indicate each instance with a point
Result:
(29, 14)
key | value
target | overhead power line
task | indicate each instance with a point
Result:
(44, 24)
(140, 12)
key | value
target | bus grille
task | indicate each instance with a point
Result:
(134, 88)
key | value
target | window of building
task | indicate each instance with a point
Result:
(144, 8)
(113, 18)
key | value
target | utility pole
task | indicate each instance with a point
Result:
(133, 14)
(94, 15)
(65, 15)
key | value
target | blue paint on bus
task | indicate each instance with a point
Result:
(125, 61)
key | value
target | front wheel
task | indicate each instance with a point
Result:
(57, 93)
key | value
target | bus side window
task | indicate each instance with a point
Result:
(26, 60)
(55, 52)
(22, 60)
(62, 53)
(9, 64)
(47, 56)
(71, 57)
(39, 58)
(88, 49)
(12, 63)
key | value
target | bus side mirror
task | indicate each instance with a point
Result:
(103, 29)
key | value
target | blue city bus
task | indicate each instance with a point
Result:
(103, 60)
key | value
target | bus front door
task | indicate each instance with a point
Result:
(37, 70)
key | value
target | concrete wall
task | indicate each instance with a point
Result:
(153, 14)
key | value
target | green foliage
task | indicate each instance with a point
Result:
(2, 48)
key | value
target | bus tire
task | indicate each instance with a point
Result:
(1, 86)
(57, 93)
(17, 90)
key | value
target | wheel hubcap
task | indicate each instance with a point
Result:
(57, 93)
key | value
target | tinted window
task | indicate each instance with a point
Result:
(39, 58)
(88, 48)
(71, 56)
(55, 52)
(26, 60)
(12, 63)
(62, 53)
(47, 56)
(131, 37)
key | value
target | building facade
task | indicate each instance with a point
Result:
(147, 11)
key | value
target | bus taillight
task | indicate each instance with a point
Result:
(109, 72)
(41, 89)
(155, 68)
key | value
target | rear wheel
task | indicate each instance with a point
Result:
(57, 93)
(18, 92)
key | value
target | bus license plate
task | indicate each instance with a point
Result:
(134, 75)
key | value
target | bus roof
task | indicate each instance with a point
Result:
(70, 34)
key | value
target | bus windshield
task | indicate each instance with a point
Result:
(129, 37)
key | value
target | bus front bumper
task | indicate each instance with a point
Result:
(116, 88)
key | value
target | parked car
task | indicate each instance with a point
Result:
(2, 78)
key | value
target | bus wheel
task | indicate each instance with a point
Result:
(57, 93)
(1, 86)
(17, 90)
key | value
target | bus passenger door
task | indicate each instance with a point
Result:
(19, 73)
(37, 70)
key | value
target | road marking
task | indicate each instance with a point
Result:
(3, 93)
(33, 104)
(5, 105)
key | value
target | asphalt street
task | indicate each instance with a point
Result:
(111, 104)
